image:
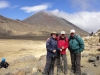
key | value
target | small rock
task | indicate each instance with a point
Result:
(15, 72)
(92, 59)
(18, 72)
(85, 54)
(7, 73)
(27, 70)
(87, 72)
(98, 44)
(30, 58)
(21, 60)
(95, 65)
(82, 66)
(34, 71)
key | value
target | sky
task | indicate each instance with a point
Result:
(83, 13)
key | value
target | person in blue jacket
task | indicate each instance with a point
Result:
(52, 53)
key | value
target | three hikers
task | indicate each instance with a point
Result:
(56, 49)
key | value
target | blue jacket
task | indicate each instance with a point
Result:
(51, 45)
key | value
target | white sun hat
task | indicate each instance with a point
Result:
(72, 31)
(63, 32)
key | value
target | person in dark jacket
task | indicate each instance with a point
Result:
(3, 63)
(52, 53)
(76, 46)
(63, 45)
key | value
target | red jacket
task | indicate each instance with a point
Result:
(64, 43)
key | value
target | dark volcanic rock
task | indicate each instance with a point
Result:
(98, 57)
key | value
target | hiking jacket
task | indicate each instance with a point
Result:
(76, 44)
(63, 42)
(51, 45)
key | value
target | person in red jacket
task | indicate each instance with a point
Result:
(63, 45)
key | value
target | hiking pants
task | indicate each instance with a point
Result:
(49, 67)
(76, 62)
(62, 59)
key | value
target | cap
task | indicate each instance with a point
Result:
(72, 31)
(62, 32)
(3, 59)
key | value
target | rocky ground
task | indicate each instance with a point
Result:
(24, 57)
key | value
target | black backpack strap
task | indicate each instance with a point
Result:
(69, 38)
(77, 39)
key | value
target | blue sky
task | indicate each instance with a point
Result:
(83, 13)
(13, 9)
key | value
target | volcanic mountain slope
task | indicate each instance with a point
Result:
(44, 22)
(14, 27)
(41, 23)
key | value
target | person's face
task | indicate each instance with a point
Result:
(62, 35)
(72, 34)
(54, 36)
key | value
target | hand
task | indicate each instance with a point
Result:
(54, 51)
(60, 49)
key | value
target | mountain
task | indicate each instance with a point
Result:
(10, 27)
(39, 24)
(45, 22)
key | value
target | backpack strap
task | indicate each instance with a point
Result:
(69, 38)
(77, 39)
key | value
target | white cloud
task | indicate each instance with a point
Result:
(85, 4)
(15, 6)
(4, 4)
(89, 21)
(35, 8)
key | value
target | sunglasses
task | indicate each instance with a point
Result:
(62, 34)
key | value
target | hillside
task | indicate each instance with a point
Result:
(13, 27)
(45, 22)
(39, 24)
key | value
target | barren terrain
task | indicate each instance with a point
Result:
(13, 49)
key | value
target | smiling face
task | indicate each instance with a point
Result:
(62, 35)
(54, 36)
(72, 34)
